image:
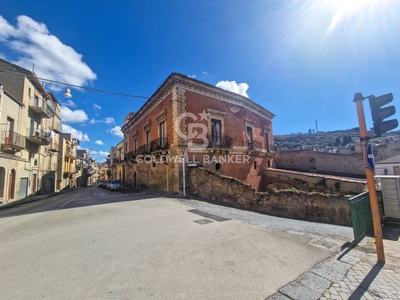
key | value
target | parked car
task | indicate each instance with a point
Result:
(101, 183)
(106, 184)
(115, 185)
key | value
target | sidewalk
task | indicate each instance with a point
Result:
(34, 198)
(351, 274)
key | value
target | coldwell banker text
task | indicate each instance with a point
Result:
(206, 159)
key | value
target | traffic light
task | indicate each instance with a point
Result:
(380, 113)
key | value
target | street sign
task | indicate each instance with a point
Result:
(370, 158)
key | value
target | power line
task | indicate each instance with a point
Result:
(75, 86)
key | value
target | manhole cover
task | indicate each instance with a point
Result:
(203, 221)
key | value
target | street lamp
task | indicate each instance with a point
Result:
(67, 93)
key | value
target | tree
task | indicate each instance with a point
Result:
(338, 142)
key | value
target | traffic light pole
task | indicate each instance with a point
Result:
(376, 217)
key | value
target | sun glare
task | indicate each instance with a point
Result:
(348, 8)
(351, 6)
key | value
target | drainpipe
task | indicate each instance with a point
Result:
(1, 98)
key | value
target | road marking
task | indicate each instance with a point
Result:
(70, 200)
(98, 194)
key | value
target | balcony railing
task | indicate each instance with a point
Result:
(254, 145)
(69, 152)
(221, 141)
(54, 147)
(40, 108)
(160, 144)
(56, 126)
(39, 136)
(12, 142)
(116, 161)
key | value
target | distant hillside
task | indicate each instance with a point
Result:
(324, 140)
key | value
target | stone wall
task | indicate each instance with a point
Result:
(309, 160)
(333, 209)
(284, 179)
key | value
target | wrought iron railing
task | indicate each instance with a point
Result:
(13, 138)
(219, 141)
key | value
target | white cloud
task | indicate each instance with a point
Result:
(104, 153)
(95, 106)
(232, 86)
(192, 76)
(34, 45)
(116, 131)
(99, 142)
(205, 73)
(108, 120)
(73, 116)
(69, 103)
(83, 137)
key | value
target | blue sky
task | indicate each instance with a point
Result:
(302, 60)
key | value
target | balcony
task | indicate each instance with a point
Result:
(39, 136)
(221, 141)
(54, 147)
(70, 153)
(40, 108)
(12, 142)
(159, 144)
(116, 161)
(56, 126)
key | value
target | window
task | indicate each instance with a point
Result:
(9, 131)
(162, 134)
(135, 149)
(148, 140)
(215, 132)
(36, 101)
(267, 141)
(249, 131)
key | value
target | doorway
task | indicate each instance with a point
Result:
(11, 185)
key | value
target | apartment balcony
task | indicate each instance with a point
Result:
(81, 165)
(116, 161)
(221, 142)
(54, 147)
(40, 108)
(69, 171)
(12, 142)
(70, 153)
(159, 144)
(39, 136)
(56, 126)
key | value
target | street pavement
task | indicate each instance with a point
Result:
(93, 244)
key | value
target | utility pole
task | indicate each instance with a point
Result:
(376, 217)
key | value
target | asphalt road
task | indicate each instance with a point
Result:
(96, 244)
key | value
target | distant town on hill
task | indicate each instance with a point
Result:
(331, 141)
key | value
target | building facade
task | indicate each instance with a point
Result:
(67, 169)
(117, 161)
(29, 128)
(189, 123)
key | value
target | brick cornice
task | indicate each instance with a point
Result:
(197, 86)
